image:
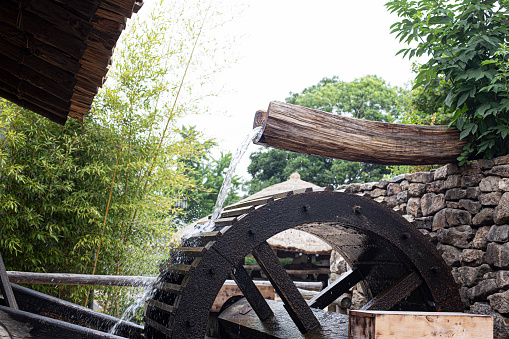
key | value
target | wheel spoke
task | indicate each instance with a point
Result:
(296, 306)
(251, 292)
(5, 287)
(336, 289)
(395, 293)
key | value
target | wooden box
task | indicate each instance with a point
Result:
(406, 325)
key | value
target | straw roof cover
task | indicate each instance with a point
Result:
(54, 54)
(293, 240)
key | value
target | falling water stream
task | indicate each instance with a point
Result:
(208, 226)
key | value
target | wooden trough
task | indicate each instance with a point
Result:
(310, 131)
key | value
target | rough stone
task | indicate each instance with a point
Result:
(471, 180)
(432, 203)
(352, 188)
(481, 238)
(416, 190)
(379, 199)
(452, 204)
(500, 302)
(498, 255)
(501, 326)
(439, 220)
(503, 184)
(455, 194)
(377, 192)
(420, 177)
(409, 217)
(444, 171)
(402, 197)
(414, 207)
(481, 308)
(470, 276)
(398, 178)
(473, 168)
(482, 289)
(499, 233)
(473, 193)
(457, 217)
(502, 278)
(451, 254)
(452, 181)
(393, 189)
(501, 214)
(503, 160)
(425, 223)
(457, 236)
(404, 185)
(473, 207)
(391, 201)
(483, 218)
(490, 199)
(436, 187)
(486, 163)
(472, 257)
(401, 209)
(424, 232)
(368, 186)
(383, 183)
(489, 184)
(501, 170)
(433, 237)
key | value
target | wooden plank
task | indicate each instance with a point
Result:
(395, 293)
(393, 325)
(295, 304)
(5, 286)
(309, 131)
(251, 292)
(341, 285)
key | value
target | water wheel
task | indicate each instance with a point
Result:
(397, 266)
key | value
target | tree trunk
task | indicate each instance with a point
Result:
(309, 131)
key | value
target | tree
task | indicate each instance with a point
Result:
(466, 42)
(369, 97)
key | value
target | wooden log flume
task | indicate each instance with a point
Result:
(310, 131)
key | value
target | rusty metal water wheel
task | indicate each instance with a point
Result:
(395, 263)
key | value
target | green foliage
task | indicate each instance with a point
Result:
(465, 41)
(269, 167)
(369, 97)
(100, 197)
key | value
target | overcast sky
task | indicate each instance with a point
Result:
(288, 45)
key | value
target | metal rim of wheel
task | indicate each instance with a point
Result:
(388, 255)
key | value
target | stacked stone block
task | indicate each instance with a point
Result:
(465, 212)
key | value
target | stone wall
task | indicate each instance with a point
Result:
(465, 212)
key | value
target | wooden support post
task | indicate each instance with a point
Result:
(5, 286)
(395, 293)
(251, 292)
(336, 289)
(295, 304)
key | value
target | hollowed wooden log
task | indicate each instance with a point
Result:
(310, 131)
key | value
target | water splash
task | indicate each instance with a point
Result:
(225, 187)
(208, 226)
(132, 309)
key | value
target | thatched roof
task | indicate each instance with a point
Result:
(54, 54)
(292, 184)
(293, 240)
